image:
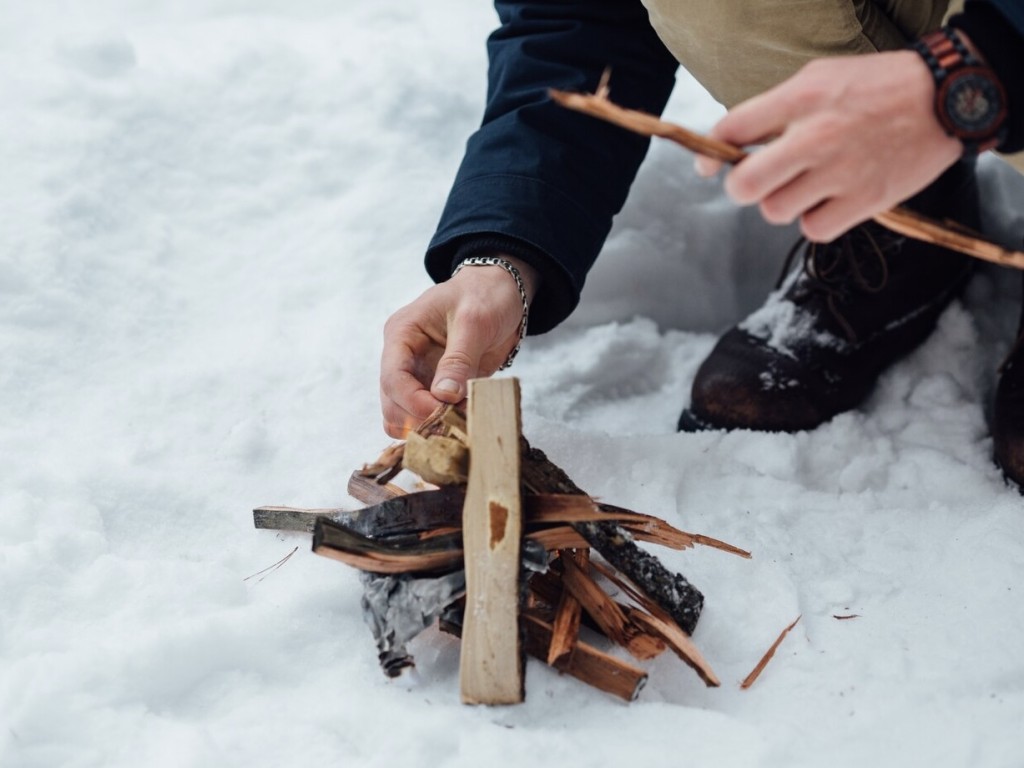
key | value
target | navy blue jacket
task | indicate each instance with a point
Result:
(543, 183)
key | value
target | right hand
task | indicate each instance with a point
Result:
(455, 331)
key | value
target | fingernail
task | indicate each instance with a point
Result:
(449, 386)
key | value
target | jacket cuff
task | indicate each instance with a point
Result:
(528, 219)
(1001, 45)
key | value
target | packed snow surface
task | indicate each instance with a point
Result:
(209, 210)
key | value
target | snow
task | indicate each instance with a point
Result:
(211, 208)
(781, 325)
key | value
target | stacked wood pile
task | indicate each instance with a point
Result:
(508, 553)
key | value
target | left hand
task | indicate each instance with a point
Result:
(850, 137)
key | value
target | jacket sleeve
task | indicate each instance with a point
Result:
(538, 177)
(997, 28)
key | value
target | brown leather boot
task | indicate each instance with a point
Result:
(1008, 413)
(853, 307)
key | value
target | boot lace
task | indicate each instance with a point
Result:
(857, 261)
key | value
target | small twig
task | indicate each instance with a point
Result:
(598, 105)
(565, 626)
(901, 220)
(749, 680)
(270, 568)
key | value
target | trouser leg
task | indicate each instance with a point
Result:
(739, 48)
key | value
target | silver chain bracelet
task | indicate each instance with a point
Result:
(496, 261)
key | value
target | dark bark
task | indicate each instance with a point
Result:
(680, 599)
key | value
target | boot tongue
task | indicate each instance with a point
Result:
(857, 262)
(839, 276)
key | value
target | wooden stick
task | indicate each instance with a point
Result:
(598, 105)
(396, 555)
(660, 623)
(565, 632)
(677, 640)
(955, 237)
(608, 614)
(587, 664)
(291, 518)
(491, 668)
(756, 673)
(657, 531)
(387, 465)
(900, 219)
(671, 590)
(369, 491)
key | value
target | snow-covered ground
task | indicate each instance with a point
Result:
(210, 208)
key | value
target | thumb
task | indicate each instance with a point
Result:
(459, 363)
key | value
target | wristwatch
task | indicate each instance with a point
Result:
(970, 102)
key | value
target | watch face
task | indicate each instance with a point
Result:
(972, 103)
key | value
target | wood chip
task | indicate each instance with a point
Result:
(565, 632)
(749, 680)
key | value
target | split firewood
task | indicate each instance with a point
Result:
(677, 640)
(412, 548)
(547, 589)
(586, 663)
(660, 623)
(491, 661)
(902, 220)
(548, 517)
(422, 552)
(607, 614)
(655, 629)
(670, 590)
(292, 518)
(392, 515)
(396, 554)
(421, 532)
(565, 627)
(387, 465)
(369, 491)
(656, 632)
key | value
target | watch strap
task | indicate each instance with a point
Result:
(945, 53)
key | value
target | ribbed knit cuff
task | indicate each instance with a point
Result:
(553, 297)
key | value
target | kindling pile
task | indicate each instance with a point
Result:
(507, 553)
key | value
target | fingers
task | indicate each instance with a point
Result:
(458, 330)
(469, 340)
(834, 217)
(788, 203)
(766, 115)
(706, 166)
(763, 117)
(405, 400)
(764, 173)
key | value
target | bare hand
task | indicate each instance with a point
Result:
(457, 330)
(856, 135)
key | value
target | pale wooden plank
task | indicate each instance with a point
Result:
(491, 668)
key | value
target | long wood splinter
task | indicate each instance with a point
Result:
(900, 219)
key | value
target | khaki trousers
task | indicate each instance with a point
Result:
(739, 48)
